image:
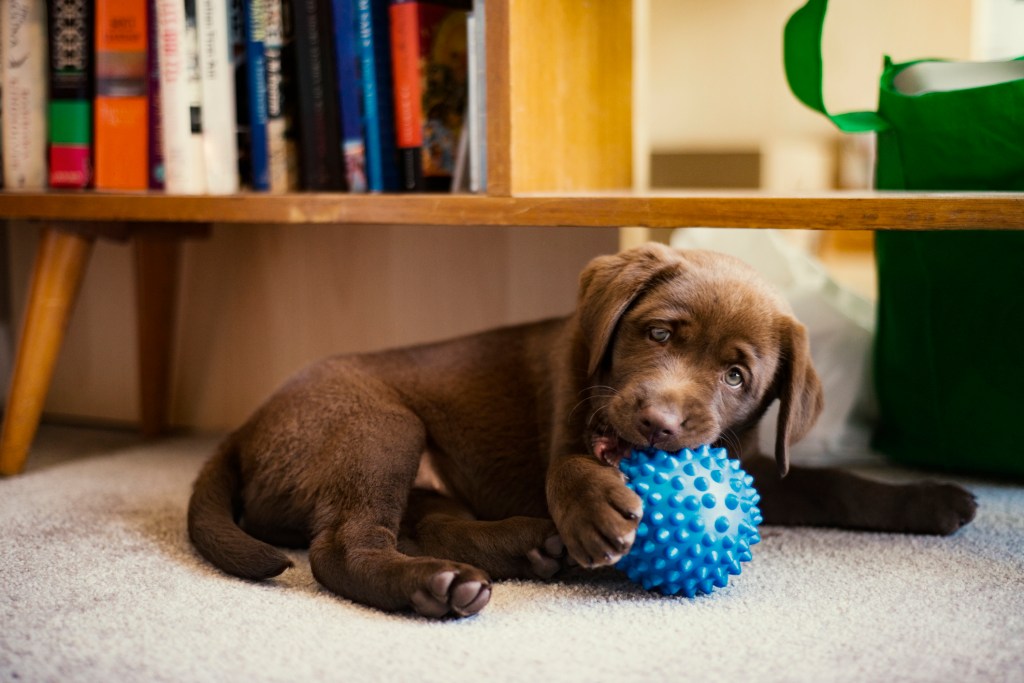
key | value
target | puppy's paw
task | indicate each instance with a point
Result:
(600, 529)
(938, 508)
(546, 560)
(461, 592)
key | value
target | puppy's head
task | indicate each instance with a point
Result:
(685, 348)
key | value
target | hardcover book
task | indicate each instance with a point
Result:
(255, 12)
(428, 47)
(183, 171)
(24, 93)
(320, 165)
(121, 105)
(70, 110)
(216, 68)
(350, 95)
(382, 173)
(155, 160)
(284, 170)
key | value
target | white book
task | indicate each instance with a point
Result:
(476, 116)
(183, 171)
(23, 38)
(217, 73)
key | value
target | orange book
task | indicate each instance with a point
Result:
(122, 108)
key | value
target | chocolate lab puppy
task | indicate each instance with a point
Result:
(417, 476)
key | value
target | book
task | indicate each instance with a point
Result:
(476, 117)
(320, 165)
(255, 13)
(217, 78)
(194, 83)
(24, 93)
(1, 97)
(155, 158)
(283, 167)
(183, 170)
(70, 108)
(429, 53)
(382, 173)
(350, 95)
(121, 106)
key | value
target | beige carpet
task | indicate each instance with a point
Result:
(98, 583)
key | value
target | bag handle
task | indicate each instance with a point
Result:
(801, 43)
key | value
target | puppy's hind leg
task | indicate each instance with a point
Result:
(354, 548)
(831, 497)
(513, 548)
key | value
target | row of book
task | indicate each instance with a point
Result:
(208, 96)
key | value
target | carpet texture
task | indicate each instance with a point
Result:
(99, 583)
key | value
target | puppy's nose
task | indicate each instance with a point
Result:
(659, 424)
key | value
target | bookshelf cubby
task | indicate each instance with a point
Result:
(559, 132)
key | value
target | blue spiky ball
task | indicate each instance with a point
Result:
(700, 519)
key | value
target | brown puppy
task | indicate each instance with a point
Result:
(417, 476)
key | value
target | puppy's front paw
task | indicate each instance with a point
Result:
(601, 528)
(937, 508)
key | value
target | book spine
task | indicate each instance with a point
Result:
(3, 22)
(405, 63)
(477, 115)
(24, 93)
(155, 160)
(220, 141)
(277, 122)
(378, 96)
(195, 97)
(256, 88)
(349, 94)
(319, 143)
(121, 125)
(70, 111)
(179, 162)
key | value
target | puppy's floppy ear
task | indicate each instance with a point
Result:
(609, 284)
(799, 390)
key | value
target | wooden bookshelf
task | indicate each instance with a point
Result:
(559, 135)
(831, 211)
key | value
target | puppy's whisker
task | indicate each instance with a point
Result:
(592, 387)
(589, 398)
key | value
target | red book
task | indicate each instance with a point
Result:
(122, 106)
(429, 61)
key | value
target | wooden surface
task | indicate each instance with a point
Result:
(570, 91)
(499, 133)
(157, 260)
(838, 210)
(60, 266)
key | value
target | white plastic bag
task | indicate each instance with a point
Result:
(840, 324)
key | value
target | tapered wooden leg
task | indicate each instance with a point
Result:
(157, 258)
(57, 274)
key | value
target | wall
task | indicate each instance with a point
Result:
(716, 78)
(259, 302)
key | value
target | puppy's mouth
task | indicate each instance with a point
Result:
(611, 448)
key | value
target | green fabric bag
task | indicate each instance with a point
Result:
(947, 360)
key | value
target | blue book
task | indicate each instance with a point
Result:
(256, 86)
(350, 95)
(382, 168)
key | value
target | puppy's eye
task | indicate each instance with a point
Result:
(659, 334)
(734, 377)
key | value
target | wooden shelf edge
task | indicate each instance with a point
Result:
(831, 211)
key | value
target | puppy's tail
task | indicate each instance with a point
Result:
(213, 528)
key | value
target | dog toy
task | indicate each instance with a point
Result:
(700, 519)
